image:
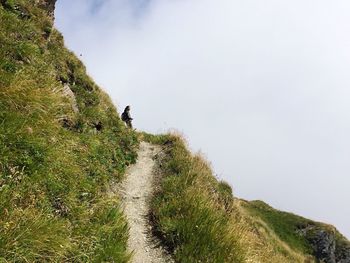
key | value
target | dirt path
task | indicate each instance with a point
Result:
(136, 191)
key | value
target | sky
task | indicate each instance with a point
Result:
(261, 88)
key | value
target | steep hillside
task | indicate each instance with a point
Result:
(321, 240)
(199, 220)
(61, 142)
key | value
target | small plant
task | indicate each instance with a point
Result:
(9, 67)
(8, 4)
(25, 52)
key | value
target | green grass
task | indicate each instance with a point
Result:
(190, 211)
(285, 225)
(197, 218)
(288, 228)
(55, 166)
(160, 139)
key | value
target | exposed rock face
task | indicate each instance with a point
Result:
(67, 92)
(324, 246)
(48, 5)
(327, 247)
(342, 253)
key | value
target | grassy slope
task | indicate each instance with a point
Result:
(287, 227)
(198, 219)
(54, 164)
(190, 210)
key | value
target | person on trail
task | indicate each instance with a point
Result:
(126, 117)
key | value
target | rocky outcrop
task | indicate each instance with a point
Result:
(327, 246)
(48, 5)
(323, 244)
(342, 252)
(67, 92)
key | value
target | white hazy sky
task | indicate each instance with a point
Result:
(261, 87)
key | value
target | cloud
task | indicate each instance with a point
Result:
(261, 87)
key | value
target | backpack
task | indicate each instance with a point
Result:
(125, 116)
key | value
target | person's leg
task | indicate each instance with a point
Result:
(129, 124)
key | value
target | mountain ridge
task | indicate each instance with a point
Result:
(62, 143)
(192, 200)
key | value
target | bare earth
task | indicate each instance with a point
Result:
(136, 192)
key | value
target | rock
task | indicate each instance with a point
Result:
(98, 126)
(327, 246)
(342, 253)
(323, 244)
(66, 123)
(47, 5)
(60, 208)
(29, 130)
(67, 92)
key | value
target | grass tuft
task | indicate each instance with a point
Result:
(199, 220)
(56, 163)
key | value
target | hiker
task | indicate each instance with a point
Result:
(126, 117)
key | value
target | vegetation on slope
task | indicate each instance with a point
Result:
(309, 237)
(61, 143)
(197, 217)
(285, 225)
(190, 211)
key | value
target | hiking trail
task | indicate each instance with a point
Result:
(136, 192)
